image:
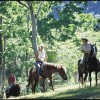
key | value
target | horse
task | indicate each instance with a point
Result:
(92, 65)
(13, 91)
(48, 69)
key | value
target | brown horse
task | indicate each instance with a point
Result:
(47, 71)
(14, 91)
(92, 65)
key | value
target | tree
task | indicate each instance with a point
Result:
(1, 46)
(63, 12)
(34, 22)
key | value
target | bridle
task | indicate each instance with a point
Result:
(93, 50)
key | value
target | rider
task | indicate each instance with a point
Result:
(11, 80)
(40, 57)
(85, 48)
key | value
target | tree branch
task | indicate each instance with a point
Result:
(39, 8)
(23, 4)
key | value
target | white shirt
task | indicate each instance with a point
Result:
(41, 54)
(86, 47)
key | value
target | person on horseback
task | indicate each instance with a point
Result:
(40, 58)
(11, 80)
(85, 48)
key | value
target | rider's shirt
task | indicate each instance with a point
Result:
(11, 79)
(86, 47)
(41, 54)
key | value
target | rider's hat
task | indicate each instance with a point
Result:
(84, 38)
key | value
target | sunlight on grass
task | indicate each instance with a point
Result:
(67, 92)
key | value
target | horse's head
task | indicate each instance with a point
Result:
(62, 72)
(93, 52)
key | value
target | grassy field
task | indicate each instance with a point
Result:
(67, 92)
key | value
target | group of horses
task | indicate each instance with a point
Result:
(48, 69)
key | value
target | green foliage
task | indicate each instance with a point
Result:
(61, 37)
(67, 26)
(86, 22)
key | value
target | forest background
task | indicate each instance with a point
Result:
(59, 25)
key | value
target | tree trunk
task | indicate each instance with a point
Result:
(27, 90)
(34, 27)
(1, 52)
(1, 47)
(3, 70)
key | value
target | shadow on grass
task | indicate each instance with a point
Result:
(88, 92)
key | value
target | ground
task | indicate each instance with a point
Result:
(67, 92)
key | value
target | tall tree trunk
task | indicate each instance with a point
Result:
(27, 70)
(1, 47)
(3, 70)
(2, 59)
(26, 49)
(34, 27)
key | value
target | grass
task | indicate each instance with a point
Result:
(67, 92)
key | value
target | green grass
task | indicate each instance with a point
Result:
(67, 92)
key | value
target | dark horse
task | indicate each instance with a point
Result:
(92, 65)
(47, 71)
(14, 91)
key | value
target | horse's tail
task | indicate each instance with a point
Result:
(79, 63)
(79, 69)
(29, 78)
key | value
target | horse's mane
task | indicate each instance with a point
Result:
(54, 66)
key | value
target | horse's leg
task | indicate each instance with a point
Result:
(86, 74)
(34, 86)
(96, 77)
(90, 78)
(82, 81)
(43, 85)
(51, 83)
(79, 79)
(7, 94)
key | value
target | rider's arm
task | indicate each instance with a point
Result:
(82, 50)
(36, 56)
(46, 57)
